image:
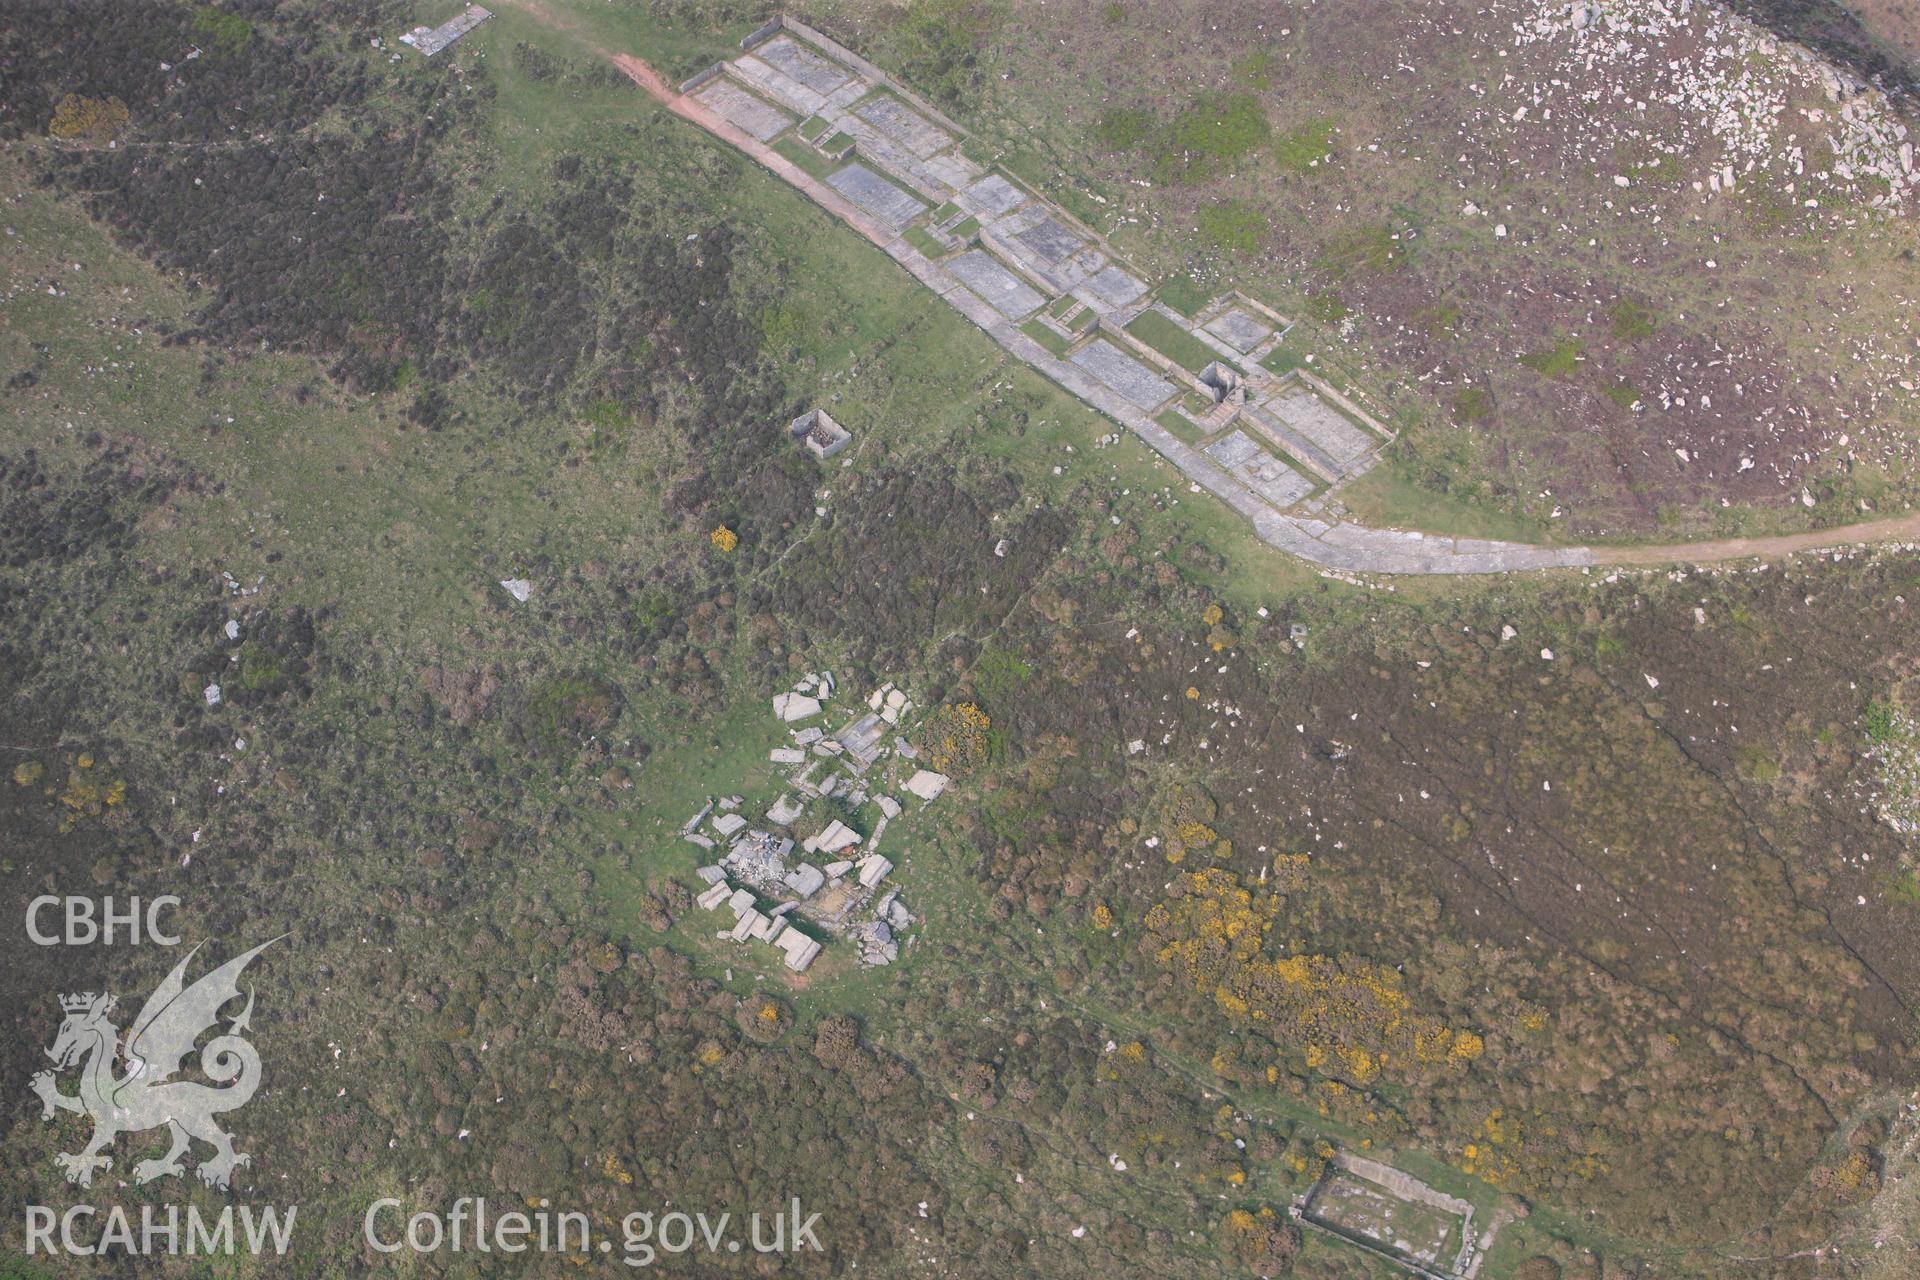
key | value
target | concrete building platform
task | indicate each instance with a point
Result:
(876, 196)
(753, 115)
(1332, 431)
(1135, 382)
(1011, 296)
(1238, 329)
(1259, 470)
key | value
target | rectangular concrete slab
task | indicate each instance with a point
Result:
(952, 169)
(1238, 329)
(846, 95)
(1259, 470)
(778, 85)
(876, 195)
(1050, 240)
(1135, 382)
(1115, 287)
(1323, 424)
(803, 64)
(1010, 295)
(751, 115)
(904, 125)
(993, 194)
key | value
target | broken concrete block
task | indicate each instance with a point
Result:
(927, 784)
(795, 706)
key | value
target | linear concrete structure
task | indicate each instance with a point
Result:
(432, 41)
(1044, 244)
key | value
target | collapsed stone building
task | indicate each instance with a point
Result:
(810, 869)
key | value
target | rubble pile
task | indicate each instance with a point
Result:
(813, 856)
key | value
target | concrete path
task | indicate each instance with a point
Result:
(1340, 546)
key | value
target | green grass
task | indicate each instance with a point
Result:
(224, 32)
(810, 161)
(1327, 307)
(1173, 342)
(1233, 226)
(1183, 295)
(838, 145)
(1471, 404)
(966, 230)
(1209, 136)
(1181, 425)
(1046, 336)
(1387, 496)
(1558, 361)
(1880, 721)
(1255, 69)
(945, 211)
(1303, 148)
(1123, 128)
(1630, 321)
(1443, 320)
(1282, 360)
(1062, 304)
(920, 238)
(812, 127)
(1622, 393)
(1376, 248)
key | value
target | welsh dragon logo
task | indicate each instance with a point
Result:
(146, 1097)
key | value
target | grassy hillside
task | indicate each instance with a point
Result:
(1613, 944)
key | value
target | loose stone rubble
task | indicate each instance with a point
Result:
(809, 868)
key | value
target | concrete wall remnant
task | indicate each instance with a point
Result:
(822, 436)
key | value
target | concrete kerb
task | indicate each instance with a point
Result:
(717, 69)
(754, 39)
(1004, 256)
(1234, 298)
(1323, 387)
(1105, 327)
